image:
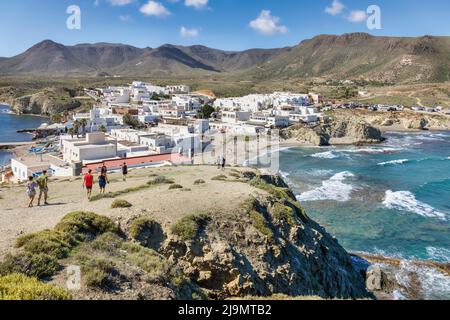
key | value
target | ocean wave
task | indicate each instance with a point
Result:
(406, 201)
(402, 161)
(332, 189)
(320, 172)
(428, 282)
(325, 155)
(439, 254)
(433, 137)
(372, 150)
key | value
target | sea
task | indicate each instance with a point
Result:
(391, 199)
(9, 124)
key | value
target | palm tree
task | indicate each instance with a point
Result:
(83, 123)
(102, 128)
(76, 127)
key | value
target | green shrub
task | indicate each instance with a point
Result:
(147, 259)
(285, 213)
(95, 271)
(199, 181)
(39, 265)
(108, 242)
(160, 180)
(51, 242)
(21, 287)
(120, 204)
(175, 186)
(188, 227)
(235, 175)
(221, 177)
(277, 192)
(147, 232)
(260, 224)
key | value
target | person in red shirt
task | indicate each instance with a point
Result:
(89, 183)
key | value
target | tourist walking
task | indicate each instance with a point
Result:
(88, 183)
(104, 169)
(102, 181)
(31, 191)
(224, 162)
(42, 182)
(124, 171)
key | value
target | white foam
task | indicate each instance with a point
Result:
(432, 283)
(332, 189)
(439, 254)
(393, 162)
(406, 201)
(373, 150)
(320, 173)
(325, 155)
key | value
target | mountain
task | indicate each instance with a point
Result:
(48, 57)
(348, 56)
(360, 55)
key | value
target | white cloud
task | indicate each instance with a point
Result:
(357, 16)
(268, 24)
(189, 33)
(153, 8)
(336, 8)
(197, 4)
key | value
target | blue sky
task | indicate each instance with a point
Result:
(223, 24)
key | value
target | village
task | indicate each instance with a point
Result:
(145, 125)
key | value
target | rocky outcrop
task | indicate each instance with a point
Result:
(349, 130)
(232, 257)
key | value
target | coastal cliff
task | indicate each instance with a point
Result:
(50, 101)
(244, 235)
(343, 130)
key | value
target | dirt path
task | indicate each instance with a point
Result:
(67, 195)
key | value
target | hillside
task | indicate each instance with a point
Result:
(360, 55)
(243, 235)
(348, 56)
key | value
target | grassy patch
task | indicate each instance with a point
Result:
(188, 227)
(175, 186)
(260, 224)
(39, 265)
(285, 213)
(120, 204)
(199, 181)
(277, 192)
(221, 177)
(147, 232)
(159, 180)
(95, 271)
(21, 287)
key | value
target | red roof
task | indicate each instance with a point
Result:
(136, 161)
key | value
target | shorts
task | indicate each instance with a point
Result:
(89, 188)
(102, 185)
(43, 191)
(31, 194)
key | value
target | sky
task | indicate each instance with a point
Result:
(223, 24)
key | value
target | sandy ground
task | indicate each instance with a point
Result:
(67, 195)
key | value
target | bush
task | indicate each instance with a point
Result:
(73, 229)
(260, 224)
(120, 204)
(175, 186)
(95, 271)
(147, 232)
(39, 265)
(221, 177)
(188, 227)
(285, 213)
(148, 260)
(160, 180)
(21, 287)
(277, 192)
(199, 181)
(108, 242)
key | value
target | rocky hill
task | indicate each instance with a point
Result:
(243, 235)
(343, 130)
(348, 56)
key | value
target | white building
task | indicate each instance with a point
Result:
(94, 147)
(235, 116)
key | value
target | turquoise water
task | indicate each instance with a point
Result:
(9, 124)
(391, 199)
